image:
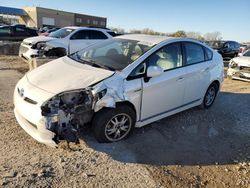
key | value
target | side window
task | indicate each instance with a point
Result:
(81, 35)
(237, 45)
(5, 30)
(209, 54)
(113, 34)
(194, 53)
(168, 57)
(226, 45)
(20, 30)
(95, 35)
(231, 45)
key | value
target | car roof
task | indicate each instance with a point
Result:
(148, 39)
(78, 28)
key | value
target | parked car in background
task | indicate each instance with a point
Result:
(239, 67)
(16, 32)
(62, 42)
(228, 49)
(48, 31)
(118, 84)
(243, 48)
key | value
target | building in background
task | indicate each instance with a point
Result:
(39, 17)
(10, 15)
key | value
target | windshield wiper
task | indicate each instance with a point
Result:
(95, 64)
(91, 62)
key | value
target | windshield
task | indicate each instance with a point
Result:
(61, 33)
(113, 54)
(247, 53)
(216, 44)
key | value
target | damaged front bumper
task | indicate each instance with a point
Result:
(38, 131)
(57, 119)
(239, 73)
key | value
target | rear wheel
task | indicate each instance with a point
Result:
(210, 95)
(113, 124)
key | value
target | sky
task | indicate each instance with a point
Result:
(230, 17)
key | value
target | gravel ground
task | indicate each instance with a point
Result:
(195, 148)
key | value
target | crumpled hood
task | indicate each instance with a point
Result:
(242, 61)
(34, 40)
(65, 74)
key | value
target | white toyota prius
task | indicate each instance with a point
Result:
(118, 84)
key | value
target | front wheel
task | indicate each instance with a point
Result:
(210, 95)
(113, 124)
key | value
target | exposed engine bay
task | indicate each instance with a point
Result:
(66, 112)
(239, 72)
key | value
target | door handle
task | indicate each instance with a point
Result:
(180, 78)
(206, 69)
(136, 90)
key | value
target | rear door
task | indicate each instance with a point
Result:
(198, 62)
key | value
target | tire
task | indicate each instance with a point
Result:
(107, 123)
(210, 96)
(55, 53)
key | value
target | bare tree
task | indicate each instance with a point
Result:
(118, 30)
(213, 36)
(194, 35)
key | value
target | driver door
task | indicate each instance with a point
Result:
(164, 93)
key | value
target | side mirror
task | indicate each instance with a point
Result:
(154, 71)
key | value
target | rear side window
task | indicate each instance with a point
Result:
(232, 45)
(95, 35)
(5, 30)
(81, 35)
(20, 30)
(113, 34)
(208, 53)
(237, 45)
(194, 53)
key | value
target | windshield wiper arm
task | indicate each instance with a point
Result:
(95, 64)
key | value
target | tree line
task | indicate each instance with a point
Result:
(181, 33)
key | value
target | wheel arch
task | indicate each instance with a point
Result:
(59, 50)
(217, 82)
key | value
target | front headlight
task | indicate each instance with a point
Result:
(232, 64)
(38, 45)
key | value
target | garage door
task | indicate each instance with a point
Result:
(48, 21)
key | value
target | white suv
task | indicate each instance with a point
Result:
(62, 42)
(118, 84)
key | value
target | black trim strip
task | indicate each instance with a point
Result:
(171, 109)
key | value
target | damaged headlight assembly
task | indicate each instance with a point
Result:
(232, 64)
(38, 45)
(66, 112)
